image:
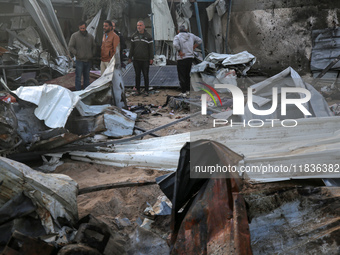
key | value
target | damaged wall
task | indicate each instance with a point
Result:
(278, 33)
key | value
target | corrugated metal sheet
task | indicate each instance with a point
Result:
(312, 140)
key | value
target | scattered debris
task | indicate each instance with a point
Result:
(221, 69)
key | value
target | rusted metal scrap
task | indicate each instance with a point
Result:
(208, 214)
(216, 222)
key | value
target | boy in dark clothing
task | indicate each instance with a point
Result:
(141, 53)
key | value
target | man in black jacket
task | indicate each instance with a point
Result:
(141, 53)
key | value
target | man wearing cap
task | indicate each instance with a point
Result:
(185, 43)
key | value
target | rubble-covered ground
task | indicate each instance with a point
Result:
(113, 205)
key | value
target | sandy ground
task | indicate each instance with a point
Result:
(109, 205)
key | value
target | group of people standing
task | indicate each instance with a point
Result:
(82, 46)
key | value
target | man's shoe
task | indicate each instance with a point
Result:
(146, 94)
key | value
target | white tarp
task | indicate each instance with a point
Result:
(164, 28)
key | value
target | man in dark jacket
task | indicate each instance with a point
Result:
(83, 47)
(141, 52)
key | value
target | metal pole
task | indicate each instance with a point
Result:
(199, 28)
(227, 32)
(153, 35)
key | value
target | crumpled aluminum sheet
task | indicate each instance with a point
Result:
(55, 103)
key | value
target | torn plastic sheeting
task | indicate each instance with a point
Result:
(54, 102)
(47, 21)
(53, 194)
(92, 27)
(164, 28)
(287, 78)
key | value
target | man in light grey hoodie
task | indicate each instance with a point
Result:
(185, 43)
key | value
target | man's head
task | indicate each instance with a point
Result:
(140, 26)
(182, 28)
(82, 27)
(107, 26)
(113, 25)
